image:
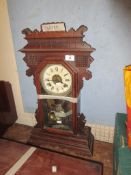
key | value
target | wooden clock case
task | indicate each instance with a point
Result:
(51, 47)
(75, 90)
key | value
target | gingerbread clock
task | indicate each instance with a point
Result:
(59, 60)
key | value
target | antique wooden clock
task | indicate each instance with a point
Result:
(59, 60)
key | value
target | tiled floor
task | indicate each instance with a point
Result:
(21, 133)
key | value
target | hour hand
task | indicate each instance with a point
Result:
(48, 80)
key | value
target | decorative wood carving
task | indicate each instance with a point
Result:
(44, 44)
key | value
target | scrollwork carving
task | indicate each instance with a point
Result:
(82, 29)
(81, 123)
(27, 31)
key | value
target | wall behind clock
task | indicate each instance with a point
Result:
(109, 32)
(8, 67)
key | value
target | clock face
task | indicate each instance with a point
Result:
(56, 79)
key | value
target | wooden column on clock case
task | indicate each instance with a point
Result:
(44, 46)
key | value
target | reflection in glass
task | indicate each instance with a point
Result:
(58, 114)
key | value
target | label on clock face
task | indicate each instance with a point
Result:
(70, 57)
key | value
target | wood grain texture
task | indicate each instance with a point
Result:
(103, 152)
(41, 162)
(10, 152)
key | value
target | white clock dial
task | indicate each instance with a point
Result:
(56, 79)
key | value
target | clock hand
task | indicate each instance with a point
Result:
(58, 80)
(65, 85)
(48, 80)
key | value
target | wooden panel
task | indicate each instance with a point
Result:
(10, 153)
(76, 145)
(41, 162)
(4, 101)
(7, 105)
(105, 156)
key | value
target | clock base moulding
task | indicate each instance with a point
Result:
(80, 145)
